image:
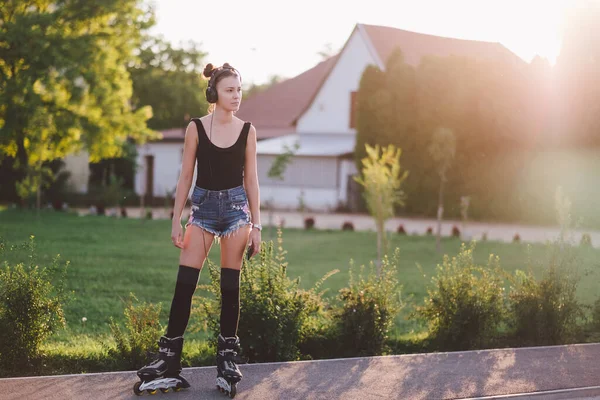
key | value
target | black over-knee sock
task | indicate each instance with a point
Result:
(187, 280)
(230, 301)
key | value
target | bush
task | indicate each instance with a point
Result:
(516, 238)
(466, 305)
(429, 231)
(348, 226)
(369, 307)
(586, 240)
(593, 325)
(455, 231)
(309, 223)
(401, 230)
(31, 307)
(276, 316)
(546, 311)
(142, 331)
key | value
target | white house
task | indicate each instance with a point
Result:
(316, 110)
(159, 164)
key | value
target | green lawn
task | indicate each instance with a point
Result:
(112, 257)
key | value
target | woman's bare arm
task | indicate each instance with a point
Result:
(187, 171)
(251, 176)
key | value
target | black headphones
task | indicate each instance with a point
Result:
(211, 91)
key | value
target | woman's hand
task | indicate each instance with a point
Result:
(177, 234)
(254, 241)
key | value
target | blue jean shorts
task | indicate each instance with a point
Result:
(220, 212)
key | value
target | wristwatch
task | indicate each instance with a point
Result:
(257, 226)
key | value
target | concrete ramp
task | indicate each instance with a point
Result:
(555, 372)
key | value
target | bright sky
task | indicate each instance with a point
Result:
(266, 37)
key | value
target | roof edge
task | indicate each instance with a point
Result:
(314, 96)
(370, 46)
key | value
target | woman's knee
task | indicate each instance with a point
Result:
(192, 259)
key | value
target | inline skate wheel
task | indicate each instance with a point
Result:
(164, 390)
(151, 391)
(136, 389)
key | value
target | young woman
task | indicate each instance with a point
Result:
(226, 205)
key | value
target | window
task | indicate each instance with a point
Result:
(353, 109)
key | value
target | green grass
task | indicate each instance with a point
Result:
(110, 258)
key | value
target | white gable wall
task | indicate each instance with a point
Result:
(167, 167)
(330, 110)
(79, 167)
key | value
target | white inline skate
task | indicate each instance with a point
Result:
(163, 372)
(228, 373)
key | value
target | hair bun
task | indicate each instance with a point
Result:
(226, 65)
(208, 70)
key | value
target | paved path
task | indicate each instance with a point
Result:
(474, 230)
(556, 372)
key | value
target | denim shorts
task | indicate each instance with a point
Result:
(220, 212)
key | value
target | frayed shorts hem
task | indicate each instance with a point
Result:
(218, 234)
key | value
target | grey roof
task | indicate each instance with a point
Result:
(311, 144)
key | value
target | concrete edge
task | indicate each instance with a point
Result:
(558, 394)
(444, 353)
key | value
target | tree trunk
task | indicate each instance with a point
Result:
(440, 213)
(38, 200)
(384, 238)
(379, 246)
(23, 161)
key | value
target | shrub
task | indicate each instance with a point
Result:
(31, 307)
(429, 230)
(348, 226)
(546, 311)
(276, 315)
(309, 223)
(586, 240)
(401, 230)
(594, 321)
(466, 304)
(455, 231)
(516, 238)
(140, 336)
(369, 307)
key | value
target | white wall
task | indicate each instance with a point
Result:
(79, 167)
(302, 171)
(330, 110)
(167, 166)
(346, 168)
(288, 197)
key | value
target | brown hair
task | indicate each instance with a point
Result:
(221, 72)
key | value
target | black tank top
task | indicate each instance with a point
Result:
(220, 168)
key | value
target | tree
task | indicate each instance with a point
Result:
(577, 78)
(169, 80)
(387, 111)
(442, 150)
(382, 180)
(371, 108)
(64, 84)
